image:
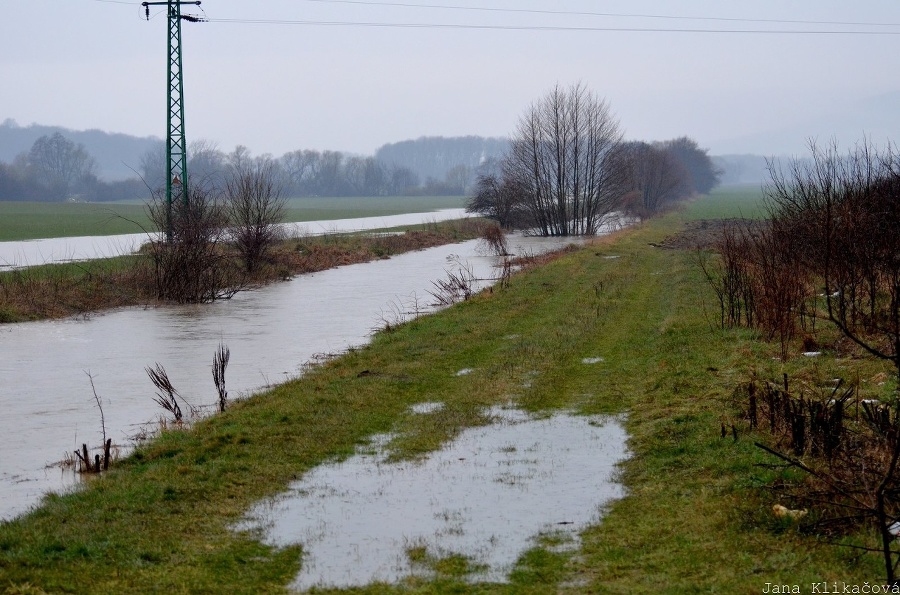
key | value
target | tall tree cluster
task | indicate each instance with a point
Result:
(57, 169)
(54, 169)
(306, 172)
(568, 169)
(437, 159)
(563, 158)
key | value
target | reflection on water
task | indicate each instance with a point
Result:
(45, 394)
(484, 496)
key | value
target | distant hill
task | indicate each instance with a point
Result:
(114, 152)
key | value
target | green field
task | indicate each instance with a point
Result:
(697, 517)
(32, 220)
(728, 202)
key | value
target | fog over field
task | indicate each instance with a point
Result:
(277, 75)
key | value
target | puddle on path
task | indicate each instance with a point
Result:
(486, 496)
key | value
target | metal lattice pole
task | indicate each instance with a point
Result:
(176, 145)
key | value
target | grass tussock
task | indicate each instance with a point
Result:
(696, 517)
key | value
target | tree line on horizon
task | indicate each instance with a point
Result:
(57, 169)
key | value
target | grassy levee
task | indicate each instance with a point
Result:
(695, 518)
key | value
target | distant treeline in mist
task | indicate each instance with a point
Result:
(46, 163)
(55, 167)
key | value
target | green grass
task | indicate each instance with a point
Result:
(33, 220)
(695, 518)
(731, 201)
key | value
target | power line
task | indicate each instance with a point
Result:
(551, 28)
(548, 28)
(605, 14)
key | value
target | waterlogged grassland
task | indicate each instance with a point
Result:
(696, 518)
(33, 220)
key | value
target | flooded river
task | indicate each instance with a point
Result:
(45, 392)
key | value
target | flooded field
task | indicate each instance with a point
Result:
(49, 408)
(56, 250)
(485, 498)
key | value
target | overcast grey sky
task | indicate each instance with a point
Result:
(281, 86)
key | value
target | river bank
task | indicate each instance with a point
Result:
(79, 288)
(619, 326)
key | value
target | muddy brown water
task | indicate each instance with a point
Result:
(45, 393)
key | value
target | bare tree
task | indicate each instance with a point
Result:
(702, 175)
(60, 164)
(655, 176)
(300, 170)
(153, 169)
(563, 160)
(498, 198)
(207, 163)
(192, 267)
(255, 207)
(457, 179)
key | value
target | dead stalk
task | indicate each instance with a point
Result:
(220, 362)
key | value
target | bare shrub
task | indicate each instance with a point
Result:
(495, 240)
(844, 212)
(506, 271)
(192, 266)
(459, 285)
(729, 277)
(500, 198)
(758, 280)
(256, 207)
(86, 464)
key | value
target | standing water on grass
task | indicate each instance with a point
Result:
(486, 497)
(45, 392)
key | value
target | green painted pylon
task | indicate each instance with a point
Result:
(176, 145)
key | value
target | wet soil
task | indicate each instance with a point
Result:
(704, 234)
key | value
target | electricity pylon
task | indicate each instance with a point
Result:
(176, 146)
